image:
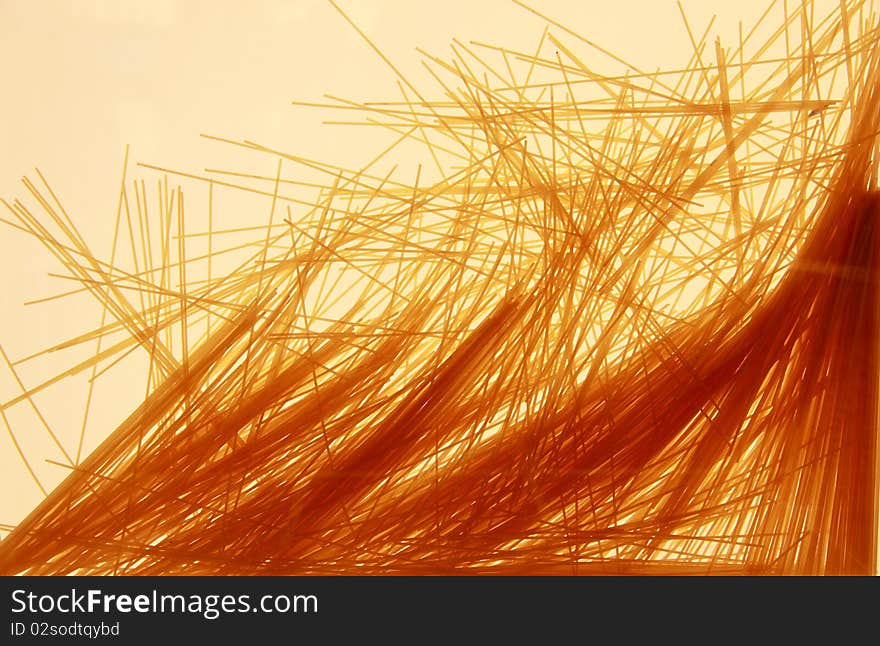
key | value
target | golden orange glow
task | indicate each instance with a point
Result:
(608, 323)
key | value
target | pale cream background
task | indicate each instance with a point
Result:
(83, 78)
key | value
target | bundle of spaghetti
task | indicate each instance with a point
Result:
(613, 324)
